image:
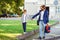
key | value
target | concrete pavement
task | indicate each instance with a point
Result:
(53, 35)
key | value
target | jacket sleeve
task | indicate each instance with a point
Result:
(35, 15)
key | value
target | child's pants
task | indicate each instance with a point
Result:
(41, 29)
(24, 26)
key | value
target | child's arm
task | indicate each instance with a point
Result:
(27, 16)
(21, 17)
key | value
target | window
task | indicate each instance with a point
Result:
(59, 9)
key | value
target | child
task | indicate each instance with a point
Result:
(24, 18)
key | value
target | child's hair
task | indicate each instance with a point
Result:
(24, 10)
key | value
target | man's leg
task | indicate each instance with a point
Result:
(40, 29)
(44, 25)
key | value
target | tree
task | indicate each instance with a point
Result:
(11, 5)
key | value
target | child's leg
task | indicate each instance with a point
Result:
(24, 27)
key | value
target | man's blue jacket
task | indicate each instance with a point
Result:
(45, 16)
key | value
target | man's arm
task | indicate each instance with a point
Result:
(35, 15)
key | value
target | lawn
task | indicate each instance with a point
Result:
(9, 29)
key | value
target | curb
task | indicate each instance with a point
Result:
(54, 38)
(24, 36)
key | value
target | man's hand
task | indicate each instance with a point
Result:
(48, 24)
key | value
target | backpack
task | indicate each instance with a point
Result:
(47, 29)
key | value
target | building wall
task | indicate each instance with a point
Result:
(33, 6)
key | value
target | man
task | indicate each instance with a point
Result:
(43, 20)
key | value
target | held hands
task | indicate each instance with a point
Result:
(31, 19)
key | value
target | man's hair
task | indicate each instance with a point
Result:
(43, 6)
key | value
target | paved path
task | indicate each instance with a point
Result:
(13, 18)
(55, 32)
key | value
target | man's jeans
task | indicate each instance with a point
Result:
(41, 29)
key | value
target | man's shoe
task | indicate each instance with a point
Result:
(39, 38)
(44, 37)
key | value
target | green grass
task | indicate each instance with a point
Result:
(14, 28)
(3, 37)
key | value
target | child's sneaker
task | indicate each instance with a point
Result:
(25, 32)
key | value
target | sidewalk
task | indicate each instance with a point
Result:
(53, 35)
(34, 34)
